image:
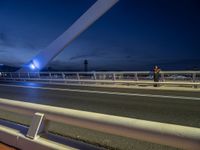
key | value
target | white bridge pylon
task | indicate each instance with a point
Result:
(98, 9)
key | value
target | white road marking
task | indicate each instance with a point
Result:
(104, 92)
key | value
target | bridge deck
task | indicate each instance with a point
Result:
(158, 104)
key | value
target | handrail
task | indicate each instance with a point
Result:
(160, 133)
(180, 71)
(117, 81)
(166, 77)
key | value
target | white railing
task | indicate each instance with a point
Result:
(186, 78)
(160, 133)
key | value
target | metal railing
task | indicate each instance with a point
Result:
(145, 77)
(160, 133)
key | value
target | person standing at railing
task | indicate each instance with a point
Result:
(156, 75)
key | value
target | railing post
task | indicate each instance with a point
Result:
(3, 75)
(63, 76)
(114, 77)
(194, 80)
(194, 77)
(162, 77)
(136, 77)
(95, 77)
(78, 77)
(10, 75)
(28, 75)
(50, 75)
(39, 75)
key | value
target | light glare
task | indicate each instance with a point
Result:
(32, 66)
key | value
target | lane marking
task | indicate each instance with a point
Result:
(104, 92)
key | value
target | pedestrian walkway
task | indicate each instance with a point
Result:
(6, 147)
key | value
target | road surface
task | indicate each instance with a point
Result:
(167, 106)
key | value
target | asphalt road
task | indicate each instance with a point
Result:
(167, 106)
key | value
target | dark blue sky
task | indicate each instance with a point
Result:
(133, 35)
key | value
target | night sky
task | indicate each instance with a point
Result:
(133, 35)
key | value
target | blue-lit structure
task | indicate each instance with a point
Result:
(97, 10)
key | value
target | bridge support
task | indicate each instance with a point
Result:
(84, 22)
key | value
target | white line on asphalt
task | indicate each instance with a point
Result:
(104, 92)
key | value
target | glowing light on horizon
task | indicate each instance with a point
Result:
(34, 65)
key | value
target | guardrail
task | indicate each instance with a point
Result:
(160, 133)
(185, 78)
